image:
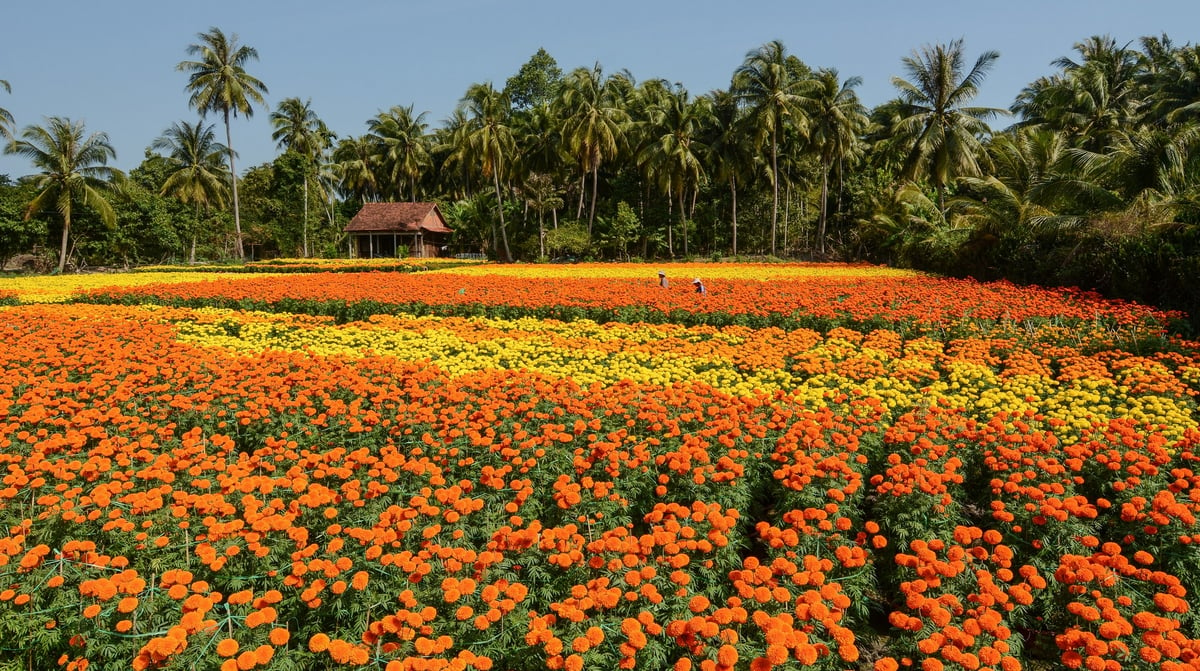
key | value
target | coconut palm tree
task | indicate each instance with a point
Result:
(592, 125)
(673, 147)
(73, 169)
(1088, 99)
(299, 129)
(404, 147)
(198, 174)
(770, 84)
(6, 117)
(943, 135)
(452, 144)
(491, 141)
(353, 165)
(730, 153)
(837, 119)
(218, 82)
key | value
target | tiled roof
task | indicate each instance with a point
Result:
(398, 217)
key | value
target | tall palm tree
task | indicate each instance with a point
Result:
(198, 175)
(452, 142)
(837, 119)
(1171, 77)
(944, 136)
(218, 82)
(1089, 99)
(353, 165)
(730, 153)
(592, 124)
(6, 117)
(771, 83)
(299, 129)
(674, 147)
(491, 140)
(73, 169)
(404, 147)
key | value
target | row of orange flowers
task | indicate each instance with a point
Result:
(923, 303)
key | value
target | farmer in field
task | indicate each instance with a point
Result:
(699, 286)
(662, 279)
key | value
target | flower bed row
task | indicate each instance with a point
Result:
(943, 308)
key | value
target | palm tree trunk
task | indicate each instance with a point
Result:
(775, 179)
(733, 194)
(824, 199)
(582, 189)
(62, 254)
(541, 234)
(670, 225)
(195, 229)
(305, 221)
(595, 182)
(237, 218)
(500, 208)
(787, 214)
(683, 222)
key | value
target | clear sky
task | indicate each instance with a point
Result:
(112, 64)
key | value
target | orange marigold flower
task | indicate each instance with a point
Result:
(227, 647)
(319, 642)
(263, 654)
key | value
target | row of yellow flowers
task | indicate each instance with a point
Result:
(1157, 390)
(59, 288)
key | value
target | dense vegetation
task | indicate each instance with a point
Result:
(1090, 178)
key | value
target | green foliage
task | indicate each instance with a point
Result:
(536, 83)
(17, 234)
(568, 240)
(618, 232)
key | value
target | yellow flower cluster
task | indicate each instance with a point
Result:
(735, 360)
(58, 288)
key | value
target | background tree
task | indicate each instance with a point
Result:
(536, 83)
(73, 168)
(402, 149)
(837, 120)
(592, 125)
(942, 133)
(731, 155)
(218, 82)
(491, 141)
(6, 117)
(674, 146)
(297, 128)
(354, 166)
(770, 83)
(197, 173)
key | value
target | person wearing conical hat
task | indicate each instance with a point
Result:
(699, 286)
(662, 279)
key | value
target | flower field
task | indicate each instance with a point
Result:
(566, 468)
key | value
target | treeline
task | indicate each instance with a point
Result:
(1090, 178)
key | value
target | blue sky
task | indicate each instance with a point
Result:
(112, 64)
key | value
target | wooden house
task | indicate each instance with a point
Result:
(379, 230)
